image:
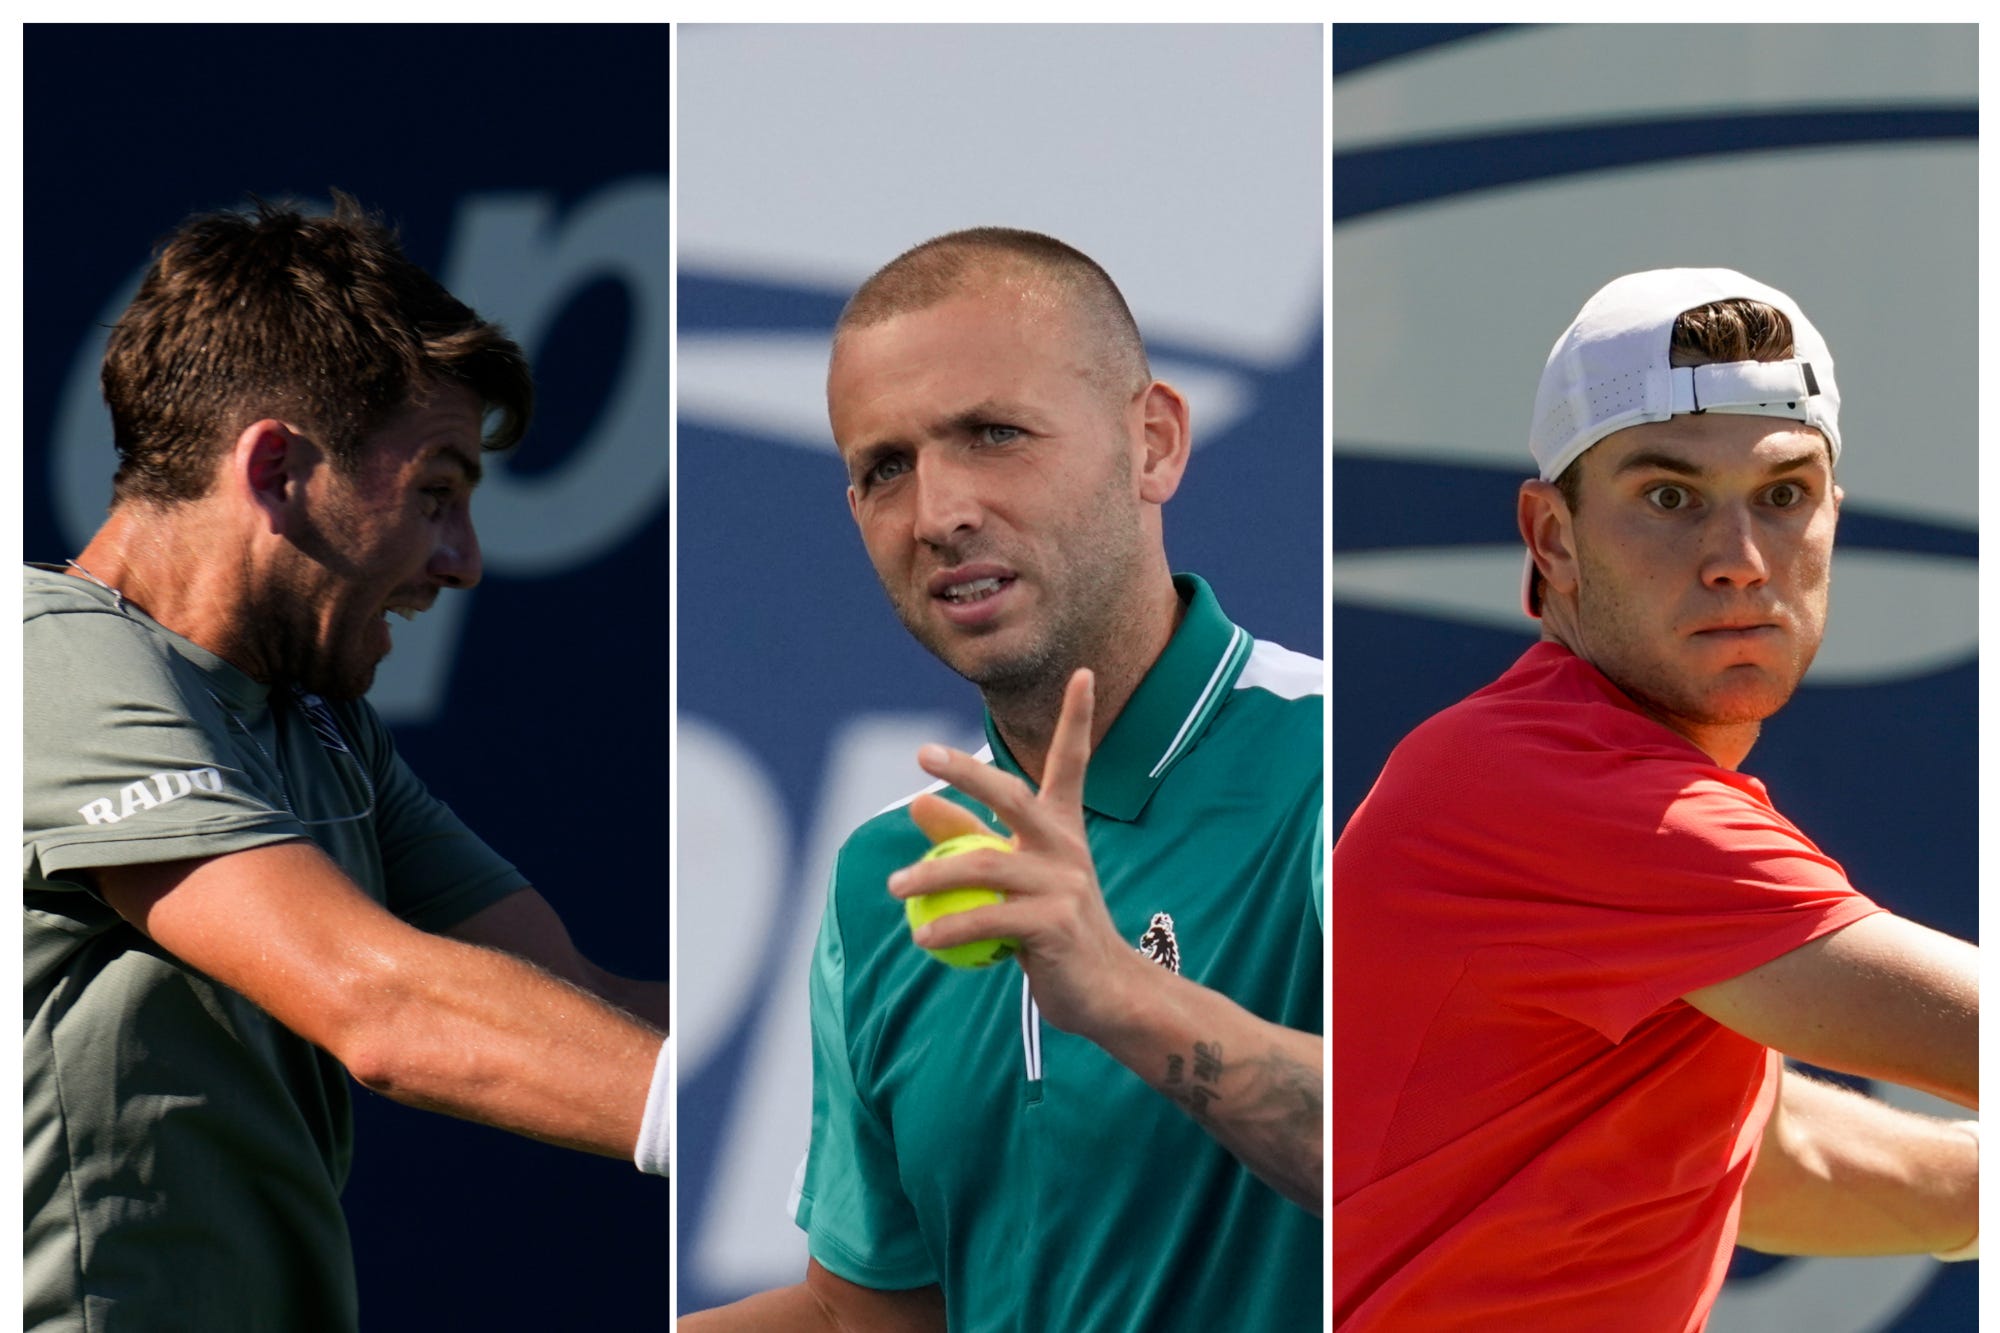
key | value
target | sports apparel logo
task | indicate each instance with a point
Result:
(1159, 944)
(165, 787)
(322, 721)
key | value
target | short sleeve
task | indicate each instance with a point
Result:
(127, 760)
(1665, 877)
(859, 1224)
(436, 871)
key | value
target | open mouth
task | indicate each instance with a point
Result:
(973, 590)
(407, 609)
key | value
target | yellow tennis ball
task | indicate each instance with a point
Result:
(928, 907)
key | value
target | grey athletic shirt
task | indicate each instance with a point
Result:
(184, 1151)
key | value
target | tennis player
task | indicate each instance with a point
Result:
(1123, 1132)
(1572, 940)
(236, 893)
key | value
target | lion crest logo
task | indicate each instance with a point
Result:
(1159, 944)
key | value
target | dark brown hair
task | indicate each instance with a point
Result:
(321, 320)
(1738, 329)
(926, 274)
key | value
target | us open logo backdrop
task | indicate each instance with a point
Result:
(801, 699)
(1485, 182)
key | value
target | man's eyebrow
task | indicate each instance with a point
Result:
(986, 413)
(453, 452)
(1652, 460)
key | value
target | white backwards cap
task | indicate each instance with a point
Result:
(1611, 369)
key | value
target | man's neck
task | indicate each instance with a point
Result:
(1026, 718)
(1728, 744)
(171, 563)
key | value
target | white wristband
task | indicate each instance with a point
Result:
(1969, 1250)
(655, 1153)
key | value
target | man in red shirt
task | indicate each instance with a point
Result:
(1571, 940)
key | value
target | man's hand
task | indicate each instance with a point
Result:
(1082, 973)
(1253, 1085)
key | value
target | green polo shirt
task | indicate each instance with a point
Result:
(957, 1139)
(183, 1150)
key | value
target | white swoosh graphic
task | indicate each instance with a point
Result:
(1895, 614)
(774, 385)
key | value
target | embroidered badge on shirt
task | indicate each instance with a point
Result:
(1159, 944)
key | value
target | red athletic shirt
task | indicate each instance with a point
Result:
(1531, 1129)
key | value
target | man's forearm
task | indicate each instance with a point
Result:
(1838, 1173)
(646, 999)
(481, 1034)
(1255, 1086)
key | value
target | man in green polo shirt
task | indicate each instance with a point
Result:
(1124, 1132)
(233, 886)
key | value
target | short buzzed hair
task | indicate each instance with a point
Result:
(943, 266)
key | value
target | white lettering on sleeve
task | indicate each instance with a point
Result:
(171, 786)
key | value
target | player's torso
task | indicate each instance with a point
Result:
(1029, 1151)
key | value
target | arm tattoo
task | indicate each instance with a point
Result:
(1267, 1110)
(1271, 1089)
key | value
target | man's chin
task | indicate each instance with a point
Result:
(1745, 695)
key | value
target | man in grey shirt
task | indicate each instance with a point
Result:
(234, 886)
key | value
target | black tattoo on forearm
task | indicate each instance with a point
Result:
(1270, 1086)
(1263, 1109)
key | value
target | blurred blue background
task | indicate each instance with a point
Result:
(527, 168)
(1487, 180)
(1190, 163)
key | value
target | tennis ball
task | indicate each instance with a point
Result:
(928, 907)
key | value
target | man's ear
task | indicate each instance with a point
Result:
(1167, 437)
(1543, 516)
(268, 466)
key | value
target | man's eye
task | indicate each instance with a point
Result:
(1670, 497)
(885, 469)
(1787, 494)
(997, 434)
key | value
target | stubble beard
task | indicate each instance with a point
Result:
(282, 629)
(282, 621)
(1089, 603)
(1666, 690)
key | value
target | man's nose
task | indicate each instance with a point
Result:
(1734, 549)
(947, 502)
(456, 561)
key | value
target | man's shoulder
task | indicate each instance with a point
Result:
(889, 839)
(73, 632)
(1273, 714)
(1282, 673)
(47, 592)
(1549, 729)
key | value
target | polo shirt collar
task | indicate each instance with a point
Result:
(1166, 715)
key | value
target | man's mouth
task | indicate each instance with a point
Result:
(408, 609)
(1736, 627)
(973, 590)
